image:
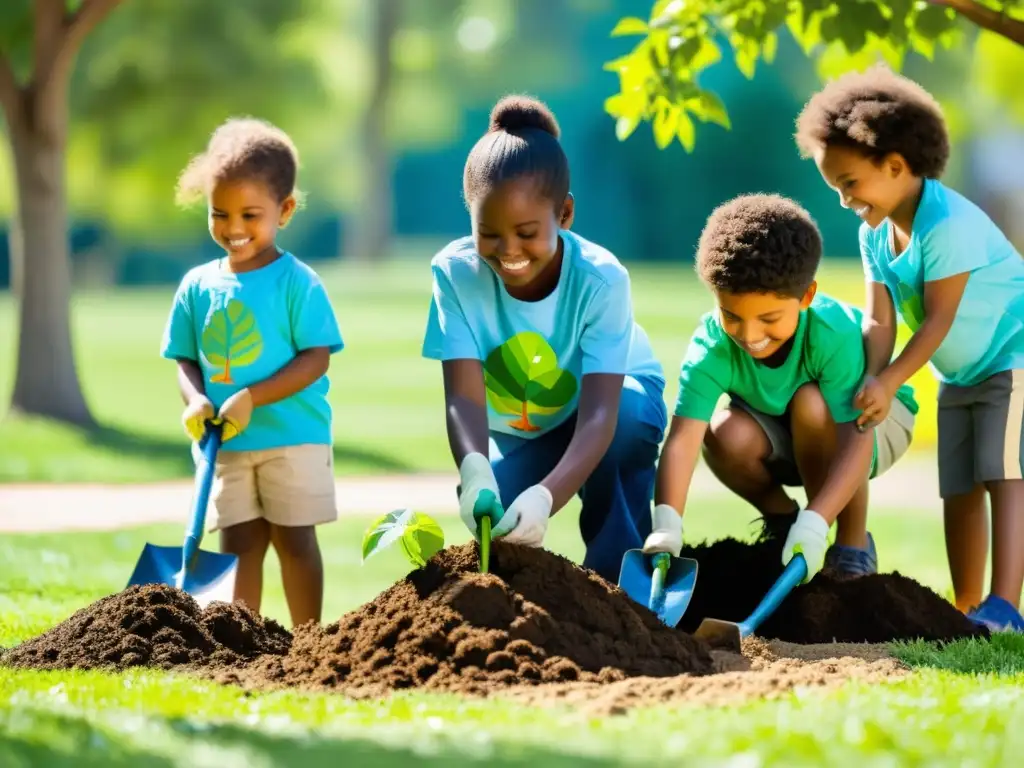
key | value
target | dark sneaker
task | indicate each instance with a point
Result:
(997, 615)
(849, 562)
(776, 526)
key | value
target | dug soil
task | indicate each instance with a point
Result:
(538, 627)
(152, 626)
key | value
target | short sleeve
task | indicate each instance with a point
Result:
(608, 333)
(312, 317)
(448, 335)
(704, 376)
(867, 254)
(179, 339)
(950, 249)
(840, 372)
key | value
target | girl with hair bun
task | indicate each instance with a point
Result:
(551, 388)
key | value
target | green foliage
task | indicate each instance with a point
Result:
(522, 377)
(418, 534)
(659, 80)
(232, 339)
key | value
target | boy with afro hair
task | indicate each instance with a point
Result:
(790, 360)
(936, 260)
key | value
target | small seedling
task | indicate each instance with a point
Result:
(419, 535)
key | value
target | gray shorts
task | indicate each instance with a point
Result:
(892, 439)
(980, 432)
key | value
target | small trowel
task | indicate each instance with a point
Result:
(728, 634)
(660, 581)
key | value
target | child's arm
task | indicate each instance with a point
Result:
(465, 406)
(198, 408)
(678, 462)
(879, 329)
(941, 301)
(849, 469)
(307, 366)
(190, 381)
(598, 414)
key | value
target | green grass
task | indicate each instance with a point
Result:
(386, 398)
(963, 707)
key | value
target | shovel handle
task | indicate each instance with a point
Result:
(661, 562)
(209, 445)
(795, 572)
(487, 512)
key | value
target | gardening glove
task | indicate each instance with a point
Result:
(808, 536)
(476, 475)
(198, 411)
(235, 413)
(530, 512)
(667, 533)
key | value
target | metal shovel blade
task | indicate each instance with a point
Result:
(719, 633)
(667, 590)
(210, 577)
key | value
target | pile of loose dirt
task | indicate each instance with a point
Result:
(767, 669)
(152, 626)
(733, 577)
(535, 618)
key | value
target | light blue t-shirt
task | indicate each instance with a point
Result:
(535, 354)
(951, 235)
(243, 328)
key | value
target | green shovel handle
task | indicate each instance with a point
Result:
(487, 512)
(661, 562)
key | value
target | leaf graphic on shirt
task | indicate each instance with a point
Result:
(231, 339)
(522, 377)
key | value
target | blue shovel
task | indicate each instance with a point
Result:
(207, 576)
(661, 582)
(487, 512)
(728, 634)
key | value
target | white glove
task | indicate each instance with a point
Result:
(808, 536)
(529, 513)
(667, 533)
(476, 475)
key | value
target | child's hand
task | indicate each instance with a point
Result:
(198, 411)
(476, 475)
(236, 413)
(874, 399)
(667, 533)
(808, 536)
(530, 511)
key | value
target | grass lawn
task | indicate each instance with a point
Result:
(386, 398)
(964, 707)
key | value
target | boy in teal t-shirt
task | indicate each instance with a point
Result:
(792, 362)
(937, 262)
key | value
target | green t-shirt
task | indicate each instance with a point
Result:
(828, 349)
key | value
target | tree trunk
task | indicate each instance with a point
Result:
(47, 381)
(372, 233)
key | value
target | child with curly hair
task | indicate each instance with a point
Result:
(551, 388)
(252, 334)
(938, 261)
(790, 360)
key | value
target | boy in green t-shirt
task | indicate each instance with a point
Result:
(792, 363)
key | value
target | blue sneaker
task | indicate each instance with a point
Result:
(997, 615)
(850, 562)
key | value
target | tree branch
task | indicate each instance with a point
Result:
(986, 18)
(10, 92)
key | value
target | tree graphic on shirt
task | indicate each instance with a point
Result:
(910, 306)
(522, 378)
(231, 339)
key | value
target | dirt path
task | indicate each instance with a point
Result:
(46, 508)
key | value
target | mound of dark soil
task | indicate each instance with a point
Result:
(733, 576)
(153, 626)
(536, 617)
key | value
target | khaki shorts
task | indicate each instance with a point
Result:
(291, 486)
(892, 439)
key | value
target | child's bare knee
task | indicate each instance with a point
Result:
(808, 409)
(297, 541)
(735, 436)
